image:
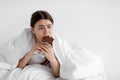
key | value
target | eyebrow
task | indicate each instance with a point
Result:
(43, 25)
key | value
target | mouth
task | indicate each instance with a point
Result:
(47, 39)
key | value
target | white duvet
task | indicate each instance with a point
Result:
(75, 63)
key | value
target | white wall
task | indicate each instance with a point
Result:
(95, 25)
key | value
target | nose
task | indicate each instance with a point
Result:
(46, 32)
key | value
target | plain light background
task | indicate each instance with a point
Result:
(94, 24)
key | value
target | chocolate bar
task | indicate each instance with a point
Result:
(48, 40)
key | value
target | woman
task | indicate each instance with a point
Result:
(42, 25)
(28, 57)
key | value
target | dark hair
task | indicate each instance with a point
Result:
(38, 15)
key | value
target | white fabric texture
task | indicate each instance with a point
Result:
(75, 63)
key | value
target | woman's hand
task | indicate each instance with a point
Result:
(35, 47)
(23, 62)
(49, 53)
(45, 49)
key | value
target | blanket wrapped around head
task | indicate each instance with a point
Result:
(75, 62)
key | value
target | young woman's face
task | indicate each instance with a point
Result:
(42, 28)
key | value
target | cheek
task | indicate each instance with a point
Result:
(51, 31)
(38, 34)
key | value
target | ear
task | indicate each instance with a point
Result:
(32, 30)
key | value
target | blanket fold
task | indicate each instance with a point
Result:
(75, 62)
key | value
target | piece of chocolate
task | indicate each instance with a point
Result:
(47, 39)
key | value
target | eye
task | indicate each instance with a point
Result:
(49, 27)
(41, 27)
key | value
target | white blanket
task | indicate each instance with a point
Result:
(75, 63)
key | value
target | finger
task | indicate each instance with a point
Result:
(43, 48)
(47, 46)
(47, 50)
(45, 43)
(39, 49)
(46, 54)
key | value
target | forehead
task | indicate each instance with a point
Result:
(44, 22)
